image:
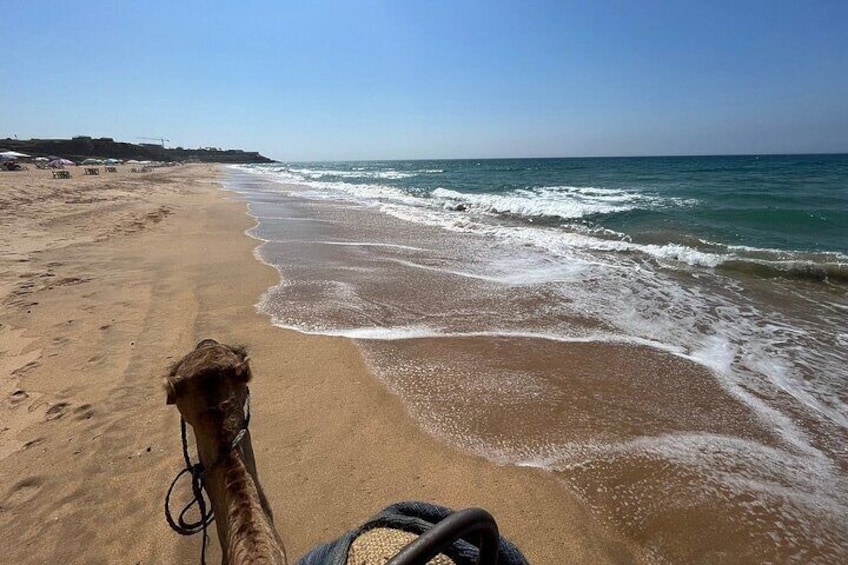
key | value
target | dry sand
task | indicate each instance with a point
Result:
(105, 280)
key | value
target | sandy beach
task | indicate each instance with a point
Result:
(106, 280)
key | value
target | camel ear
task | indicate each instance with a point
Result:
(243, 370)
(240, 351)
(170, 392)
(208, 342)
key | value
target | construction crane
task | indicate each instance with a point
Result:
(161, 140)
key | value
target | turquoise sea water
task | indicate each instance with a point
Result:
(474, 286)
(792, 203)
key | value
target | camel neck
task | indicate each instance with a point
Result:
(244, 523)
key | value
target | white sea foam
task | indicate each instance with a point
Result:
(353, 244)
(566, 202)
(559, 201)
(357, 173)
(385, 334)
(365, 194)
(562, 243)
(619, 282)
(539, 203)
(556, 201)
(533, 275)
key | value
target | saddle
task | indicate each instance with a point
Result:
(408, 533)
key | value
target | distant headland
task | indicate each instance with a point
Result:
(80, 148)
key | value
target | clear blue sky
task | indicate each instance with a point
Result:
(316, 80)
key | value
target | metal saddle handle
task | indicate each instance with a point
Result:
(454, 527)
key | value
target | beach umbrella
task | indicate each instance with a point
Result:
(91, 162)
(112, 161)
(59, 163)
(40, 159)
(13, 155)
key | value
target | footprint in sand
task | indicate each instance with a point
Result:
(17, 396)
(57, 410)
(34, 442)
(24, 289)
(23, 370)
(23, 491)
(68, 281)
(83, 412)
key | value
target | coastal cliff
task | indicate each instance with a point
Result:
(80, 148)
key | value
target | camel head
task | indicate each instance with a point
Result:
(209, 387)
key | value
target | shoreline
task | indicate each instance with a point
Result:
(149, 266)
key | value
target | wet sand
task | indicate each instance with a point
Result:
(108, 279)
(647, 438)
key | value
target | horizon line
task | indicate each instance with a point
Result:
(658, 156)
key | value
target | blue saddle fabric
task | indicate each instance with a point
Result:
(416, 518)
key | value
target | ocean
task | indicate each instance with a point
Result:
(668, 335)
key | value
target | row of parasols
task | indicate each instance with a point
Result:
(59, 162)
